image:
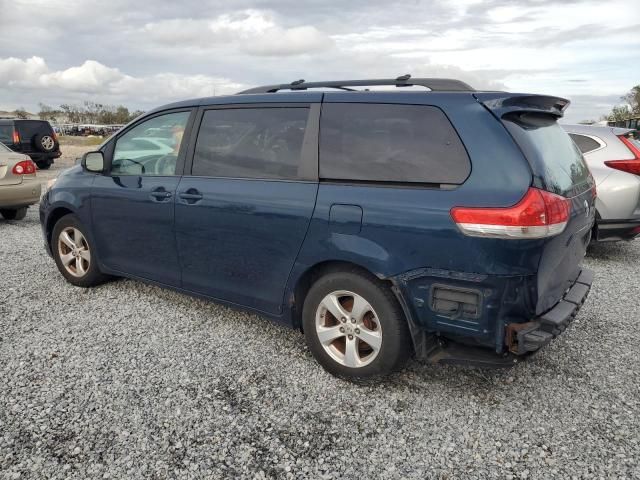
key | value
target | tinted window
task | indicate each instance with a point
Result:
(585, 144)
(251, 143)
(554, 158)
(146, 156)
(6, 134)
(390, 143)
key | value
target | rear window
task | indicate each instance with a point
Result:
(557, 163)
(390, 143)
(6, 134)
(584, 143)
(29, 128)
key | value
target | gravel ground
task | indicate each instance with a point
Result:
(132, 381)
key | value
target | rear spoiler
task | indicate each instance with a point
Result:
(501, 103)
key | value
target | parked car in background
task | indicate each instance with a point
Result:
(613, 156)
(34, 138)
(438, 221)
(18, 185)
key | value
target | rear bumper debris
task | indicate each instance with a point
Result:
(524, 338)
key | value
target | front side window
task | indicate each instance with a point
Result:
(390, 143)
(152, 147)
(251, 143)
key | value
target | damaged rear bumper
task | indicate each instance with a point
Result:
(525, 338)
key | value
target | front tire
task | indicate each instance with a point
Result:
(74, 254)
(354, 326)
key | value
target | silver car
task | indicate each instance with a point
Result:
(613, 156)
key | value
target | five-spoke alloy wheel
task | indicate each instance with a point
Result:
(354, 325)
(73, 253)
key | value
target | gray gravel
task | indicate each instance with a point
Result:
(131, 381)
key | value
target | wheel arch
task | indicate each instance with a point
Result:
(303, 282)
(54, 216)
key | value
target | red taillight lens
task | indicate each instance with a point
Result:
(539, 214)
(16, 137)
(629, 166)
(26, 167)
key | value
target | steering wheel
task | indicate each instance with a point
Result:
(165, 162)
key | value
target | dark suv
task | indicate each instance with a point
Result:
(440, 222)
(35, 138)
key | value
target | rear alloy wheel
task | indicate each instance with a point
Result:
(73, 253)
(13, 213)
(348, 329)
(354, 325)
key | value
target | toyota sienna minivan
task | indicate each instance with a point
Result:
(427, 220)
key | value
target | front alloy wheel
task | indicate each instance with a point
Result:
(74, 251)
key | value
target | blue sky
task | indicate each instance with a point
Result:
(146, 54)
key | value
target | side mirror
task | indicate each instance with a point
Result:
(93, 162)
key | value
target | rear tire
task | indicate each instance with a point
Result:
(13, 213)
(74, 254)
(371, 337)
(44, 164)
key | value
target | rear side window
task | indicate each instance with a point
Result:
(6, 134)
(556, 161)
(584, 143)
(251, 143)
(390, 143)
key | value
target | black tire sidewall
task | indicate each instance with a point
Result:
(93, 276)
(13, 213)
(395, 347)
(37, 142)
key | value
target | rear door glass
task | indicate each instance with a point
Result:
(390, 143)
(556, 161)
(251, 143)
(584, 143)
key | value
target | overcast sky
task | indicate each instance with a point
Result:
(144, 54)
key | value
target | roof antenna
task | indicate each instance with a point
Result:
(403, 78)
(297, 82)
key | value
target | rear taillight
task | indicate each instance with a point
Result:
(16, 137)
(26, 167)
(539, 214)
(629, 166)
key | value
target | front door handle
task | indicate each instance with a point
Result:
(160, 194)
(191, 196)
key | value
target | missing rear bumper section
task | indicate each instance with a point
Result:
(525, 338)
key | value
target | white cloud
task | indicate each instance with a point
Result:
(96, 81)
(251, 31)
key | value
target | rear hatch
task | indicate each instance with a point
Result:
(558, 167)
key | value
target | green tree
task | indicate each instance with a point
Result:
(633, 100)
(619, 113)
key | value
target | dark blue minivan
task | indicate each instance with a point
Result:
(427, 219)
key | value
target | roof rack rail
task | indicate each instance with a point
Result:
(434, 84)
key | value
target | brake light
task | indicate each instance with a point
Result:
(26, 167)
(629, 166)
(16, 137)
(539, 214)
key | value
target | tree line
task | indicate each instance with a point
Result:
(88, 112)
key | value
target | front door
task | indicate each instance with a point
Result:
(243, 213)
(133, 206)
